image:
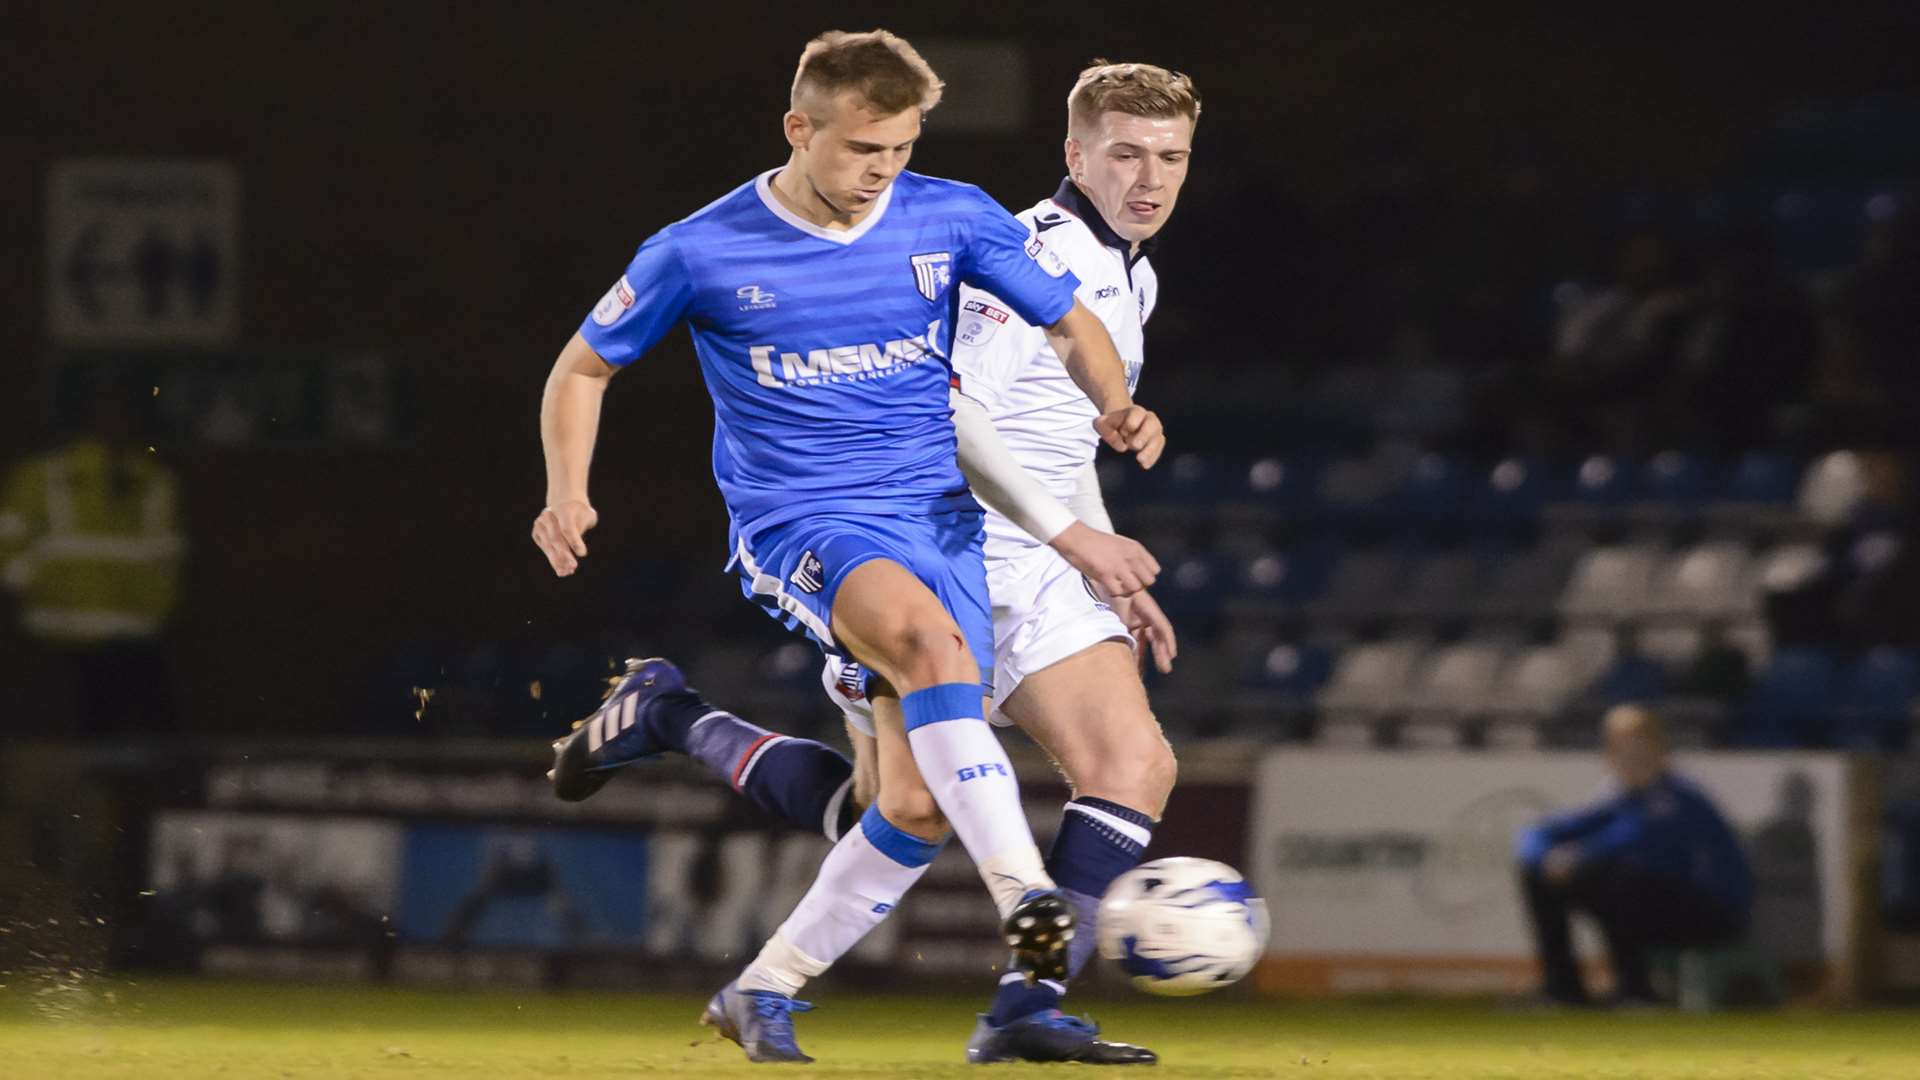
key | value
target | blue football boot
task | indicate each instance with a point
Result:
(761, 1021)
(1050, 1035)
(620, 732)
(1037, 930)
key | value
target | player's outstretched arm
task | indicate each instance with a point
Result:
(1115, 564)
(569, 424)
(1084, 347)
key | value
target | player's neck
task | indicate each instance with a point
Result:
(790, 186)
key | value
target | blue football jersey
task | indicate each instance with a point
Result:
(826, 351)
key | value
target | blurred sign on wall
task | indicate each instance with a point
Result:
(142, 250)
(244, 398)
(1395, 872)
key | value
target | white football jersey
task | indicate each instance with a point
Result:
(1007, 365)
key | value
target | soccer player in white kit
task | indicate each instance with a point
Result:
(1064, 663)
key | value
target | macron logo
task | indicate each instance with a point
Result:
(843, 363)
(976, 772)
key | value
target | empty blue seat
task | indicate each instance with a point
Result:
(1602, 480)
(1296, 671)
(1436, 488)
(1632, 679)
(1195, 584)
(1279, 578)
(1514, 489)
(1675, 477)
(1787, 706)
(1874, 700)
(1763, 477)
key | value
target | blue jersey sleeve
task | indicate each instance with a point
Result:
(643, 305)
(1003, 259)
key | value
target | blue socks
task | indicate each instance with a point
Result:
(807, 783)
(1097, 842)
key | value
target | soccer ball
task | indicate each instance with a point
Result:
(1181, 926)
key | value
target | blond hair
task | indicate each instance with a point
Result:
(1637, 720)
(887, 73)
(1134, 89)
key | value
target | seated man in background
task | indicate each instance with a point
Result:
(1655, 865)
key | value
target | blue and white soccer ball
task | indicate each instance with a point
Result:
(1182, 926)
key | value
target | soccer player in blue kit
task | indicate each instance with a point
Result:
(821, 298)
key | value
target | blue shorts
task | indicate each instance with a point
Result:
(794, 569)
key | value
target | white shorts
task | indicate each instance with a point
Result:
(1043, 612)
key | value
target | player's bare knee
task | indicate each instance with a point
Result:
(929, 652)
(1138, 773)
(914, 813)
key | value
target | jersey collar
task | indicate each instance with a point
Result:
(763, 187)
(1074, 201)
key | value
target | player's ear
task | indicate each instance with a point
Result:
(1073, 156)
(799, 129)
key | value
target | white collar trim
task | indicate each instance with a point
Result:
(763, 187)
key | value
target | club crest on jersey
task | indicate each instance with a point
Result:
(978, 322)
(932, 273)
(614, 304)
(810, 576)
(853, 682)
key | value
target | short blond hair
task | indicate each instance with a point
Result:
(1134, 89)
(886, 72)
(1637, 720)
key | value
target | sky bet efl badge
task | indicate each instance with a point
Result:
(933, 273)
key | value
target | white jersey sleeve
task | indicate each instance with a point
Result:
(992, 346)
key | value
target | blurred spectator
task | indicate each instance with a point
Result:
(1610, 344)
(1878, 336)
(1746, 352)
(1655, 865)
(90, 544)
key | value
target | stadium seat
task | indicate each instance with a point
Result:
(1711, 581)
(1440, 586)
(1435, 489)
(1360, 585)
(1610, 583)
(1456, 680)
(1786, 706)
(1194, 585)
(1603, 481)
(1873, 704)
(1539, 683)
(1515, 490)
(1275, 579)
(1274, 480)
(1762, 477)
(1592, 649)
(1524, 585)
(1833, 488)
(1632, 679)
(1354, 490)
(1675, 478)
(1370, 679)
(1292, 671)
(1674, 646)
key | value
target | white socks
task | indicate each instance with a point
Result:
(860, 881)
(967, 770)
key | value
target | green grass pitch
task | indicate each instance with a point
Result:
(159, 1030)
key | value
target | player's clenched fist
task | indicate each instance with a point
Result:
(561, 534)
(1133, 429)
